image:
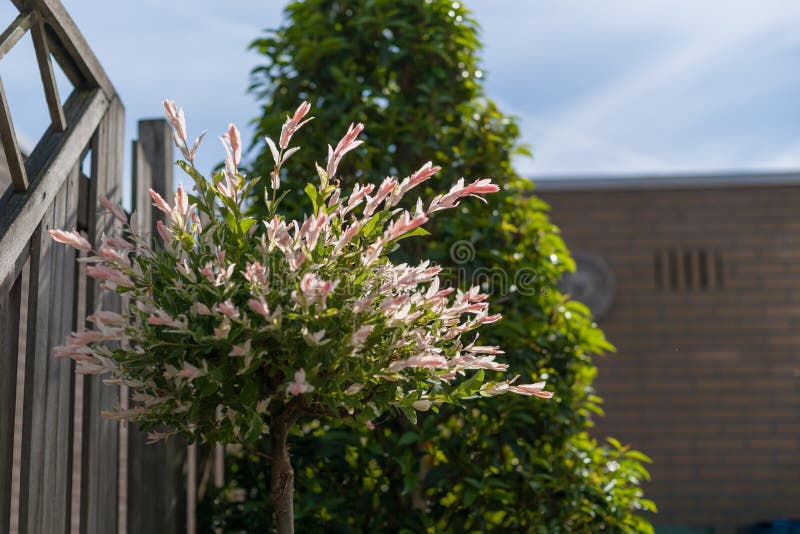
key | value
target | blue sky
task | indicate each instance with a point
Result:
(612, 87)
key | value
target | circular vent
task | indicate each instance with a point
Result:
(592, 283)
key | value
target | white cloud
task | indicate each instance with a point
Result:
(652, 114)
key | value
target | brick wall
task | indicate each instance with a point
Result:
(706, 379)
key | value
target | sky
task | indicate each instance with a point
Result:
(617, 87)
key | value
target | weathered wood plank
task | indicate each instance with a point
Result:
(124, 429)
(100, 454)
(67, 64)
(49, 163)
(73, 42)
(80, 299)
(156, 485)
(191, 489)
(42, 50)
(153, 168)
(15, 31)
(10, 297)
(43, 499)
(77, 439)
(8, 138)
(47, 427)
(57, 469)
(35, 388)
(99, 461)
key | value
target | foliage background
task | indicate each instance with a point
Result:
(409, 70)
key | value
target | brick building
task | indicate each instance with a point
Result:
(700, 278)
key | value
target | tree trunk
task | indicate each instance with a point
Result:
(282, 480)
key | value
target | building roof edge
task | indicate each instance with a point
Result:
(664, 181)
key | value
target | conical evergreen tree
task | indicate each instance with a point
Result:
(408, 70)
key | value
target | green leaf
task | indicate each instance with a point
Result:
(208, 387)
(314, 196)
(415, 232)
(408, 438)
(470, 386)
(371, 227)
(470, 494)
(232, 222)
(323, 176)
(198, 178)
(246, 223)
(410, 413)
(636, 455)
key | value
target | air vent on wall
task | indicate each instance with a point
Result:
(681, 270)
(592, 282)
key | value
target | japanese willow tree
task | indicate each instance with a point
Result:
(409, 69)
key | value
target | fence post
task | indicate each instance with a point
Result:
(156, 486)
(152, 168)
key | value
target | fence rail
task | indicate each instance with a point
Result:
(62, 467)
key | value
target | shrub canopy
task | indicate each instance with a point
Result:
(409, 69)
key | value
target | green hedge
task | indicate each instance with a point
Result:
(408, 69)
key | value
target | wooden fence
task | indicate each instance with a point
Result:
(62, 467)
